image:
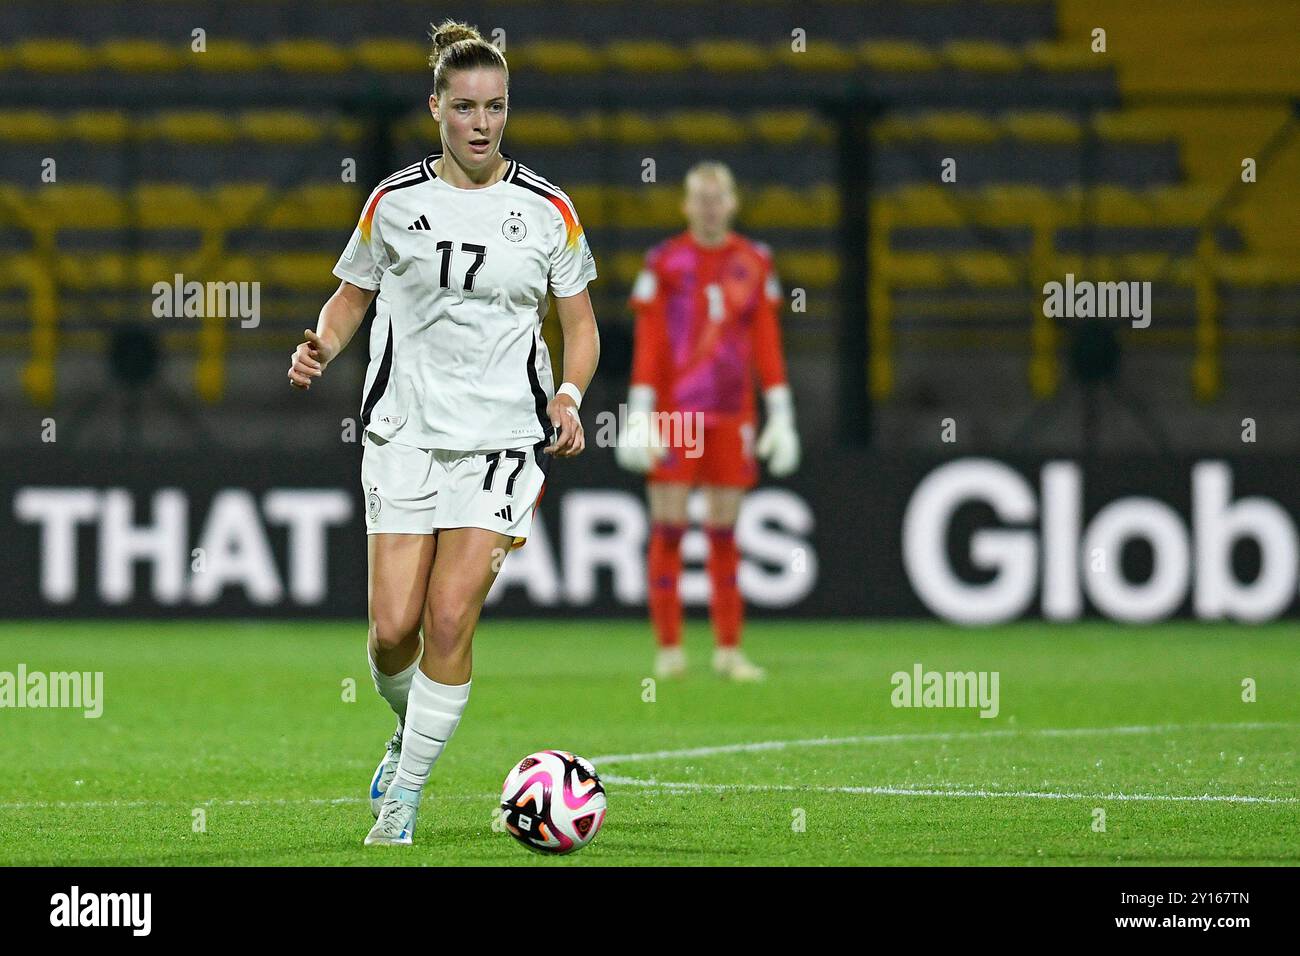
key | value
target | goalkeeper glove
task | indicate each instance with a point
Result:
(778, 444)
(638, 442)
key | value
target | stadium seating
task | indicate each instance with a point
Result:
(238, 169)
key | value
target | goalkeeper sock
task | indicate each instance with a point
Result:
(665, 570)
(725, 606)
(395, 688)
(433, 712)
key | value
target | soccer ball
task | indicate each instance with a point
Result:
(553, 802)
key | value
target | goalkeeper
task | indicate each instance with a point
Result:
(706, 320)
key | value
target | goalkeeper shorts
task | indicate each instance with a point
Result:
(724, 456)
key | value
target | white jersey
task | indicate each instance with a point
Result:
(457, 359)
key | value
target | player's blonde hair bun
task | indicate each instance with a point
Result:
(459, 46)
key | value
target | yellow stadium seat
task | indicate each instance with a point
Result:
(987, 269)
(236, 267)
(1127, 126)
(982, 56)
(780, 207)
(1183, 205)
(1140, 266)
(300, 271)
(30, 126)
(706, 128)
(729, 56)
(646, 56)
(913, 270)
(143, 56)
(1041, 127)
(819, 55)
(54, 56)
(1064, 57)
(897, 56)
(315, 206)
(589, 200)
(17, 272)
(783, 127)
(537, 128)
(98, 126)
(627, 265)
(192, 126)
(78, 206)
(89, 272)
(419, 127)
(1253, 270)
(237, 203)
(170, 206)
(347, 130)
(810, 269)
(307, 56)
(664, 205)
(631, 128)
(957, 127)
(923, 205)
(943, 126)
(385, 55)
(1117, 206)
(280, 126)
(558, 56)
(649, 207)
(1003, 204)
(224, 55)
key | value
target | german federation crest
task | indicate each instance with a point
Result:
(513, 228)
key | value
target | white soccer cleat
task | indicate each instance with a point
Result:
(396, 823)
(670, 662)
(730, 663)
(385, 772)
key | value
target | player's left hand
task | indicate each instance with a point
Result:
(778, 444)
(570, 439)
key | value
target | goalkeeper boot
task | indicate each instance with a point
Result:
(670, 662)
(385, 771)
(396, 823)
(730, 663)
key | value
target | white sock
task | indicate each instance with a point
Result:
(433, 711)
(395, 688)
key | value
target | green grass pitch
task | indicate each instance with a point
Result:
(247, 722)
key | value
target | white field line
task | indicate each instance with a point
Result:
(671, 786)
(269, 801)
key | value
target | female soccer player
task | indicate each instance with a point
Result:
(459, 400)
(706, 305)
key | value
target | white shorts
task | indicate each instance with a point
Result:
(411, 490)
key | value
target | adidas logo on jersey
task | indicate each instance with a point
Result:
(420, 225)
(504, 514)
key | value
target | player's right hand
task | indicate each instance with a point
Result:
(309, 360)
